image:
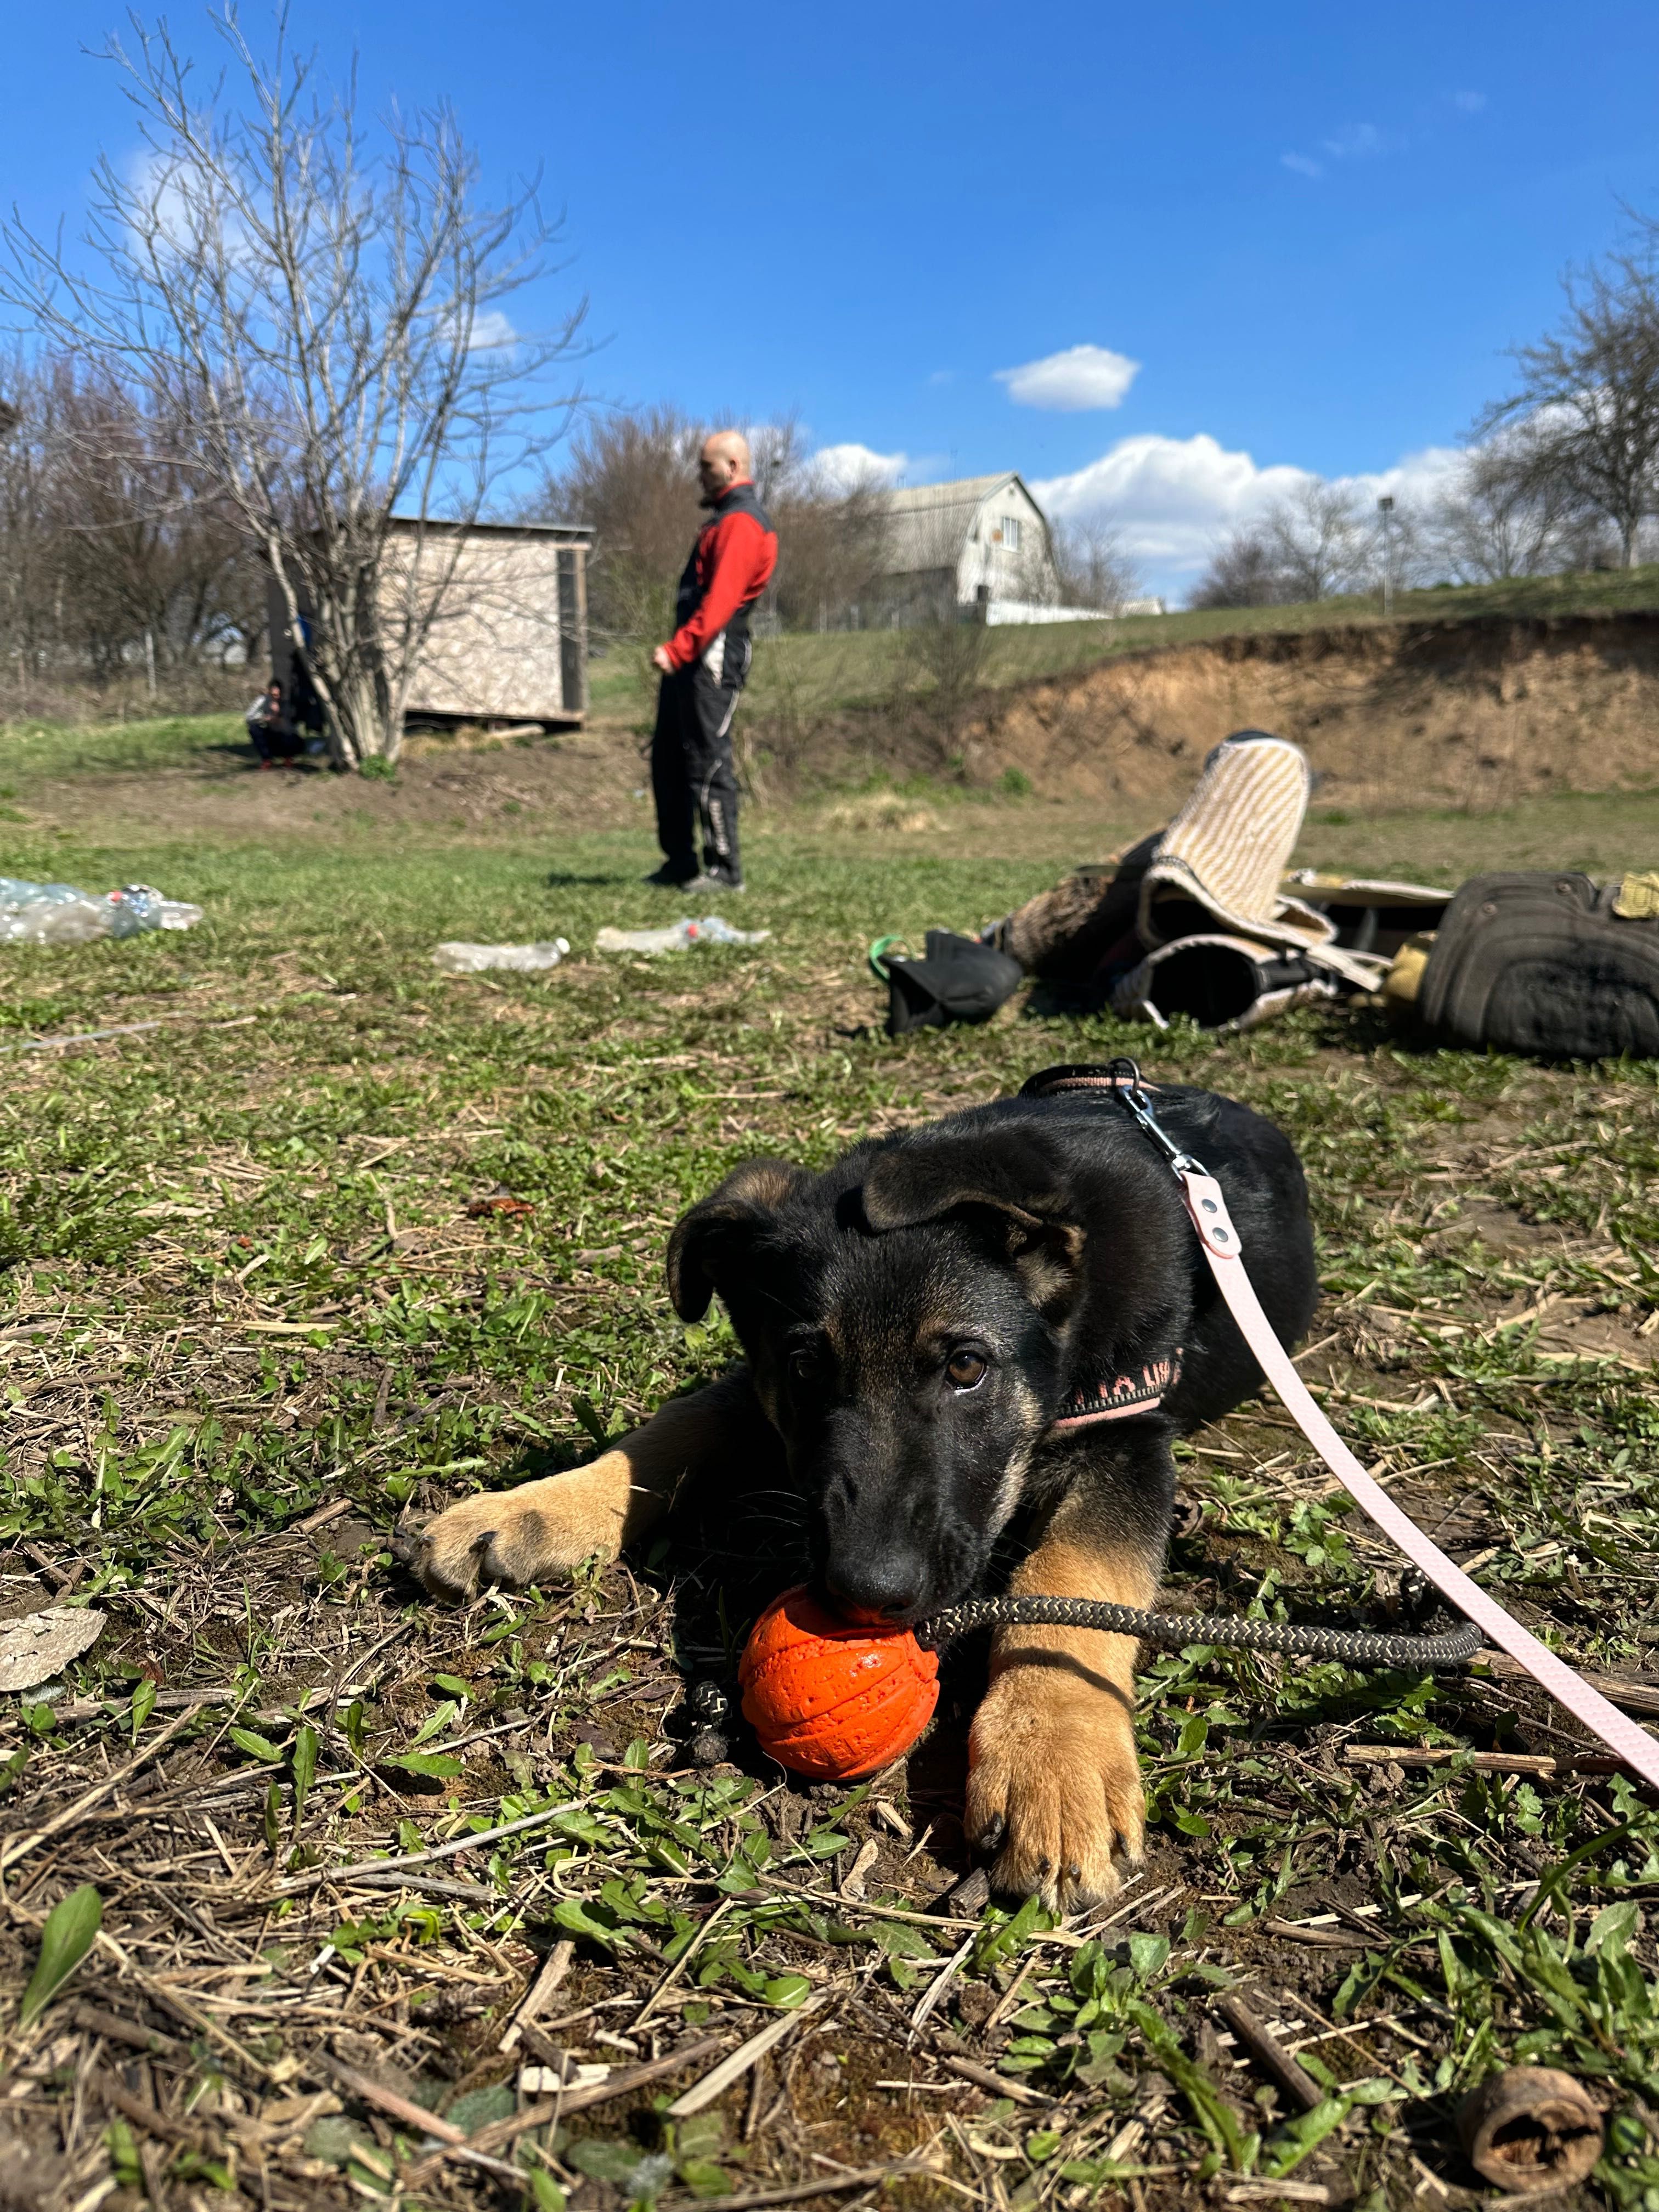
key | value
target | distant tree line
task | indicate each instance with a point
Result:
(1560, 473)
(113, 561)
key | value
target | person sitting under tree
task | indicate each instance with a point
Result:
(270, 729)
(704, 666)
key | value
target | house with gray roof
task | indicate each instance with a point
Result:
(978, 543)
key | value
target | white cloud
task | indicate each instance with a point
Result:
(1083, 376)
(1355, 141)
(853, 464)
(1171, 499)
(1414, 481)
(491, 329)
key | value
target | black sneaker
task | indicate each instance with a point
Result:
(665, 880)
(714, 880)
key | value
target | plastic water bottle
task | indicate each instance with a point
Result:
(48, 913)
(709, 929)
(138, 906)
(58, 914)
(456, 957)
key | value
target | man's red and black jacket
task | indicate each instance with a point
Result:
(730, 567)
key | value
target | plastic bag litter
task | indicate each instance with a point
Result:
(458, 959)
(710, 930)
(57, 913)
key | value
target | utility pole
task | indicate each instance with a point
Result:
(1385, 508)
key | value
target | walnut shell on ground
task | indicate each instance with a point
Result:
(1530, 2127)
(39, 1645)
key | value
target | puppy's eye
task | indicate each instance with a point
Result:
(967, 1370)
(804, 1365)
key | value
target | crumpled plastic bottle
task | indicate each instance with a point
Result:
(458, 958)
(58, 914)
(711, 929)
(48, 913)
(137, 907)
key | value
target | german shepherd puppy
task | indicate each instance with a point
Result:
(993, 1324)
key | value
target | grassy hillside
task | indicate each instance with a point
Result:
(800, 680)
(805, 677)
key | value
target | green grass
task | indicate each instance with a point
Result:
(238, 1285)
(35, 747)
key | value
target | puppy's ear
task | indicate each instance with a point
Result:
(1010, 1181)
(717, 1230)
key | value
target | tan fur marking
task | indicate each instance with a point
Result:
(1053, 1748)
(547, 1528)
(762, 1182)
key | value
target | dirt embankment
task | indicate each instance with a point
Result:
(1475, 714)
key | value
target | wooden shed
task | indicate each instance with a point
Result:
(509, 644)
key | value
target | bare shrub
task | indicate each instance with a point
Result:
(1093, 567)
(1242, 573)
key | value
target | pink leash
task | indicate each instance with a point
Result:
(1223, 1251)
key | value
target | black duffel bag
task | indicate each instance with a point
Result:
(1555, 965)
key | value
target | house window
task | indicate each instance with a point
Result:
(1011, 534)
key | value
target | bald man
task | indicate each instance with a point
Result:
(704, 667)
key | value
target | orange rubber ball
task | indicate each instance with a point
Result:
(834, 1698)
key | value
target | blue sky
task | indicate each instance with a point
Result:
(1226, 244)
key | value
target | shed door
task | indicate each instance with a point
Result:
(572, 691)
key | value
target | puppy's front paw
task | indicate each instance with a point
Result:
(1055, 1789)
(538, 1532)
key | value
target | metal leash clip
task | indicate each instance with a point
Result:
(1133, 1091)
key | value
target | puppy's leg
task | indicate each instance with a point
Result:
(1053, 1789)
(547, 1528)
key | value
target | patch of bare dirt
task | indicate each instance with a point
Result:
(587, 781)
(1475, 714)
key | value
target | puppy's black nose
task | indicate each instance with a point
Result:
(890, 1583)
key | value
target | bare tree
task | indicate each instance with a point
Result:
(832, 535)
(946, 647)
(1509, 511)
(1242, 573)
(1317, 540)
(1400, 547)
(1093, 567)
(26, 562)
(325, 322)
(633, 478)
(1588, 392)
